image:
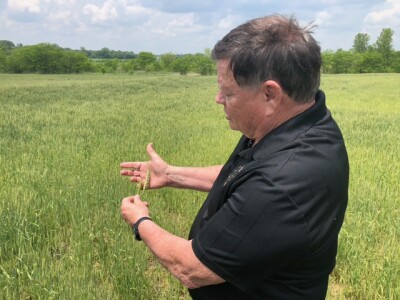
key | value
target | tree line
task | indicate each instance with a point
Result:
(48, 58)
(106, 53)
(379, 57)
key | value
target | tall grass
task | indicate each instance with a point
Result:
(368, 110)
(62, 139)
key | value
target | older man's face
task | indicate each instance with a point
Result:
(243, 108)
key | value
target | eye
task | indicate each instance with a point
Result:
(228, 96)
(224, 93)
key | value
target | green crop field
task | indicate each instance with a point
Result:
(62, 138)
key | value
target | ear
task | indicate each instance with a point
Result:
(273, 96)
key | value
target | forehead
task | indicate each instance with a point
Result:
(225, 76)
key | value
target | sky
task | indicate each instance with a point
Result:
(180, 27)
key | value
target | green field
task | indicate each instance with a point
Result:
(62, 138)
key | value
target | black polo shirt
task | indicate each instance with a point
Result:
(270, 224)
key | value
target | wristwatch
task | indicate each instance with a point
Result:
(135, 227)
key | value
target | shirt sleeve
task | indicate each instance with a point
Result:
(255, 233)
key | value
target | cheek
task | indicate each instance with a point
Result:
(231, 106)
(237, 110)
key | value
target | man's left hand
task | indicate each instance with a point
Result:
(133, 208)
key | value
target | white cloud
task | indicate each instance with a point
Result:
(32, 6)
(383, 16)
(117, 12)
(323, 17)
(61, 16)
(64, 2)
(182, 21)
(137, 10)
(165, 24)
(64, 19)
(390, 14)
(332, 2)
(182, 26)
(101, 14)
(227, 23)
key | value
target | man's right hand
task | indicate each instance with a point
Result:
(137, 170)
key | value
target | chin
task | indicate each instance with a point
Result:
(233, 127)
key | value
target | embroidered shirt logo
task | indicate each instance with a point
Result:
(234, 173)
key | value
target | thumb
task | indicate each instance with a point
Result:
(151, 152)
(136, 199)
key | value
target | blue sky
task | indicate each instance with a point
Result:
(184, 26)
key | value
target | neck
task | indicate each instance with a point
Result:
(289, 110)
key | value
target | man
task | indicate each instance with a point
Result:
(269, 226)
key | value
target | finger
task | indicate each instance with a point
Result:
(151, 152)
(127, 200)
(130, 172)
(135, 179)
(127, 172)
(131, 165)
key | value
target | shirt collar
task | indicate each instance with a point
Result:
(291, 129)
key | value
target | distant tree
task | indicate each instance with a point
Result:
(384, 45)
(124, 54)
(104, 53)
(111, 65)
(360, 43)
(20, 60)
(7, 46)
(203, 64)
(207, 52)
(153, 67)
(396, 61)
(182, 64)
(384, 42)
(129, 66)
(3, 59)
(166, 61)
(327, 61)
(144, 60)
(372, 62)
(84, 51)
(343, 62)
(75, 62)
(46, 58)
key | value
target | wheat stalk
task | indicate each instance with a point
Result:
(142, 187)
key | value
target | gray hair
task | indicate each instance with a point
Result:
(273, 48)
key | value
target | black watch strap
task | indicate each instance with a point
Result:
(135, 227)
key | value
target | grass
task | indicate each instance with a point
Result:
(368, 110)
(62, 138)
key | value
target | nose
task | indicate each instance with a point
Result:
(219, 98)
